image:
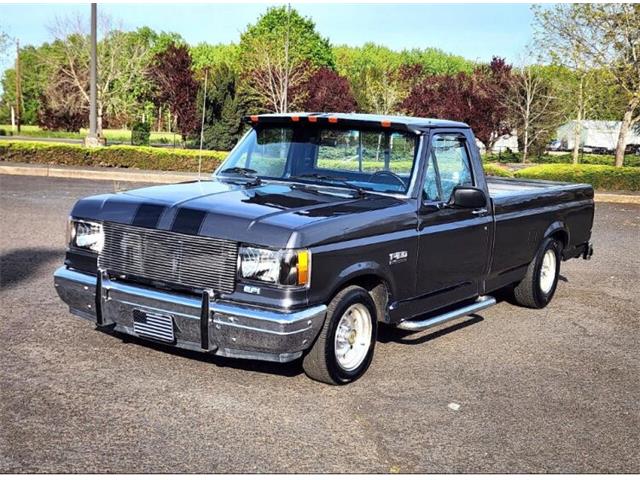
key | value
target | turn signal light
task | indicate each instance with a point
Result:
(303, 267)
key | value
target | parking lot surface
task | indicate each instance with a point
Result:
(553, 390)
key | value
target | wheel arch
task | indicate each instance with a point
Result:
(379, 286)
(559, 231)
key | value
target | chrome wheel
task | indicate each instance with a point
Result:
(353, 337)
(548, 271)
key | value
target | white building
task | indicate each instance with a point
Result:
(509, 141)
(595, 133)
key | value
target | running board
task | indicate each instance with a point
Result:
(417, 325)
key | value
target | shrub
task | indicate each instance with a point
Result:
(600, 176)
(585, 159)
(140, 133)
(123, 156)
(496, 170)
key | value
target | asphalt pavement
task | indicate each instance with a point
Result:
(509, 390)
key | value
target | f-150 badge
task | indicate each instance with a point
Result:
(398, 257)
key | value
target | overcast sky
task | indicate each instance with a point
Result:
(475, 31)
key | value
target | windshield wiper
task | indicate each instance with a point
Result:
(245, 172)
(328, 178)
(248, 173)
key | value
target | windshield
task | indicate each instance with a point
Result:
(374, 160)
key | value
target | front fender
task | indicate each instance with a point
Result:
(362, 269)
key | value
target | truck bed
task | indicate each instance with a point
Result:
(525, 212)
(508, 187)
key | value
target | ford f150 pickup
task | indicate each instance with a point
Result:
(316, 228)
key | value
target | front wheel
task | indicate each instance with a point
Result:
(344, 348)
(536, 289)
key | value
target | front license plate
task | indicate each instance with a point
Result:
(153, 325)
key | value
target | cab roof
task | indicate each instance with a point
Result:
(413, 124)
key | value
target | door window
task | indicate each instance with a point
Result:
(431, 190)
(452, 166)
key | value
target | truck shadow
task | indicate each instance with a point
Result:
(290, 369)
(391, 334)
(19, 265)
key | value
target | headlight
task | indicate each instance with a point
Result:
(281, 267)
(87, 235)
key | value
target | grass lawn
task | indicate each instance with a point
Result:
(114, 135)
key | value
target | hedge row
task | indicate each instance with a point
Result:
(600, 176)
(495, 170)
(149, 158)
(122, 156)
(584, 159)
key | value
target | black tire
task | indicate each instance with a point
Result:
(528, 292)
(320, 361)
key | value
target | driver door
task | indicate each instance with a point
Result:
(453, 242)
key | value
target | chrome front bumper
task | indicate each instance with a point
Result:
(200, 323)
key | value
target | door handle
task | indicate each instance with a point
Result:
(480, 211)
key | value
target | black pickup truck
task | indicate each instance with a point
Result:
(316, 228)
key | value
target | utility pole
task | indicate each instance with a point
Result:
(286, 64)
(18, 87)
(92, 140)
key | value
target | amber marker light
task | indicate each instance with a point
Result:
(385, 123)
(313, 119)
(295, 118)
(333, 119)
(303, 267)
(254, 118)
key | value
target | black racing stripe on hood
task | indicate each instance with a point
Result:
(188, 221)
(148, 215)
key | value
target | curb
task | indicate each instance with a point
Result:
(121, 175)
(149, 176)
(617, 198)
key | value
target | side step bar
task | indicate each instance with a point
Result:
(417, 325)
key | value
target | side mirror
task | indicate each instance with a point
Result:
(468, 197)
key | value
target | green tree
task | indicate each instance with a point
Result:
(35, 76)
(436, 62)
(278, 53)
(46, 72)
(380, 76)
(532, 108)
(121, 65)
(4, 47)
(373, 71)
(602, 36)
(224, 108)
(209, 56)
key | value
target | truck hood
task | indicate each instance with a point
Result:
(274, 215)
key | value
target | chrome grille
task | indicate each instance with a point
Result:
(170, 257)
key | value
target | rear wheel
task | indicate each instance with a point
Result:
(344, 348)
(538, 286)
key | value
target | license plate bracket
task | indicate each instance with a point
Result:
(154, 325)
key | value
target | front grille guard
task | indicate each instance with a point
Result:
(208, 296)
